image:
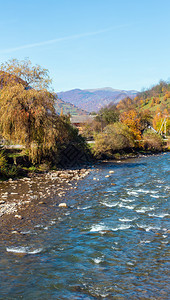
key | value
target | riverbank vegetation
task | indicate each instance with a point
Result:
(35, 138)
(133, 125)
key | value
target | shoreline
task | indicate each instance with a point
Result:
(25, 201)
(131, 156)
(19, 208)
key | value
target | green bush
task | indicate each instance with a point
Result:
(44, 167)
(3, 163)
(115, 137)
(11, 171)
(152, 141)
(6, 170)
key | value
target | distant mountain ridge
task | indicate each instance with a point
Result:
(93, 99)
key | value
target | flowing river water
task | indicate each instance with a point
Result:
(110, 243)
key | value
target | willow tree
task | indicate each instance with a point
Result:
(27, 113)
(28, 117)
(34, 76)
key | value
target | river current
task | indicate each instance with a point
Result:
(110, 243)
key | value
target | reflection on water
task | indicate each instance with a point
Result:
(111, 243)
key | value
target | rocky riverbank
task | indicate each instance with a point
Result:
(24, 200)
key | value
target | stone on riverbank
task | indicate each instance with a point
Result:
(37, 189)
(18, 216)
(64, 205)
(2, 202)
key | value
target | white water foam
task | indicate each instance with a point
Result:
(132, 193)
(84, 208)
(123, 227)
(98, 260)
(148, 228)
(102, 228)
(109, 204)
(145, 242)
(26, 250)
(98, 228)
(127, 206)
(28, 232)
(67, 213)
(145, 209)
(164, 242)
(127, 220)
(136, 192)
(130, 264)
(141, 210)
(39, 226)
(52, 222)
(155, 196)
(159, 215)
(127, 200)
(146, 191)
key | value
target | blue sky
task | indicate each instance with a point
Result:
(86, 44)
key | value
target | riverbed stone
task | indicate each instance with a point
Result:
(2, 202)
(63, 204)
(41, 202)
(18, 217)
(24, 201)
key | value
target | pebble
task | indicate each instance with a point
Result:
(63, 204)
(41, 202)
(18, 216)
(2, 202)
(63, 176)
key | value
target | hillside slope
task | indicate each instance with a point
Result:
(68, 108)
(153, 105)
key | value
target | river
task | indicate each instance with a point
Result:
(110, 243)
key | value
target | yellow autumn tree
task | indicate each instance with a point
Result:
(33, 76)
(132, 120)
(27, 115)
(161, 121)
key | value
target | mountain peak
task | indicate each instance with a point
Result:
(93, 99)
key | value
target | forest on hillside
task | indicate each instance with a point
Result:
(139, 123)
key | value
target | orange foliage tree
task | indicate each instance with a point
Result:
(132, 120)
